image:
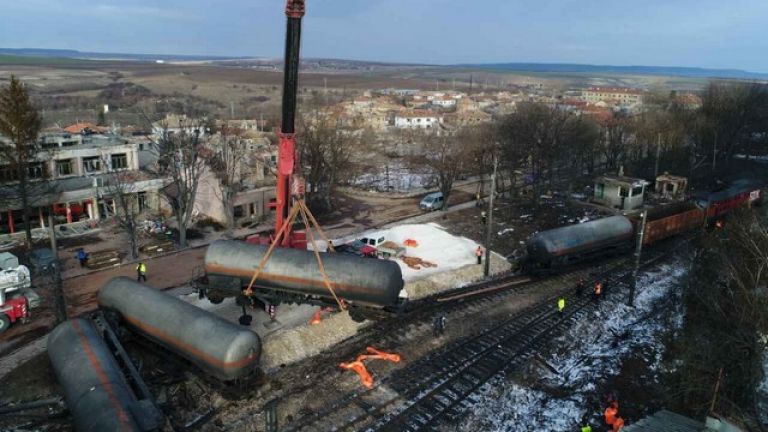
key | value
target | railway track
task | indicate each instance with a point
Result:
(436, 387)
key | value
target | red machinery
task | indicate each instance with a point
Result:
(289, 182)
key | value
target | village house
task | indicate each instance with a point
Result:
(417, 119)
(622, 96)
(444, 102)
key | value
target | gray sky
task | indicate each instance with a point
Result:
(706, 33)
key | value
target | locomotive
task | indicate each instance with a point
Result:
(554, 250)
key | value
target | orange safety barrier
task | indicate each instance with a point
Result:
(380, 355)
(317, 317)
(360, 369)
(411, 243)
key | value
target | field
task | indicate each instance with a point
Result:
(71, 90)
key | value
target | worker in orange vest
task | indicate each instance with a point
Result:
(479, 254)
(611, 412)
(598, 290)
(618, 424)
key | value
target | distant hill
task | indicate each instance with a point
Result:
(692, 72)
(73, 54)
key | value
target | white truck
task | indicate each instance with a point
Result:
(384, 248)
(16, 294)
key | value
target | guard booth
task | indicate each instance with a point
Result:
(623, 193)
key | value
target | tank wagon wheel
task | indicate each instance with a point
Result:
(215, 299)
(357, 314)
(5, 322)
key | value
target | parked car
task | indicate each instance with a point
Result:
(384, 248)
(357, 247)
(433, 201)
(42, 260)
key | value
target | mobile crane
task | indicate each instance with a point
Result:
(289, 181)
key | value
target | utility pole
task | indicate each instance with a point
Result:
(658, 155)
(489, 222)
(232, 110)
(57, 289)
(714, 153)
(638, 252)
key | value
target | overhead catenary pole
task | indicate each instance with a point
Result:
(489, 221)
(638, 253)
(714, 153)
(658, 156)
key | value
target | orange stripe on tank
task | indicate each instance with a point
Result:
(102, 376)
(188, 348)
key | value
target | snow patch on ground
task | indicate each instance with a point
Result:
(435, 245)
(395, 178)
(590, 351)
(762, 390)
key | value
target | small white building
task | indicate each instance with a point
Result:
(623, 193)
(444, 102)
(417, 120)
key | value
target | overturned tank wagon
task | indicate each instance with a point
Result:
(557, 248)
(95, 390)
(295, 274)
(220, 348)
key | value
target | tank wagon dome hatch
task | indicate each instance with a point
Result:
(219, 347)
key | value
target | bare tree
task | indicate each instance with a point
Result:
(615, 138)
(20, 125)
(726, 315)
(445, 155)
(121, 187)
(326, 151)
(227, 164)
(734, 114)
(542, 138)
(182, 156)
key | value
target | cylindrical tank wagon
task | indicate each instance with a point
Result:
(555, 249)
(220, 348)
(230, 265)
(96, 392)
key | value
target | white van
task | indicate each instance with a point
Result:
(433, 201)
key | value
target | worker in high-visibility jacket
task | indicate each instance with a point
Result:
(618, 424)
(479, 254)
(598, 290)
(610, 413)
(141, 272)
(585, 425)
(560, 305)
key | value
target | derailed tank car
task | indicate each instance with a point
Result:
(95, 390)
(293, 275)
(220, 348)
(553, 250)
